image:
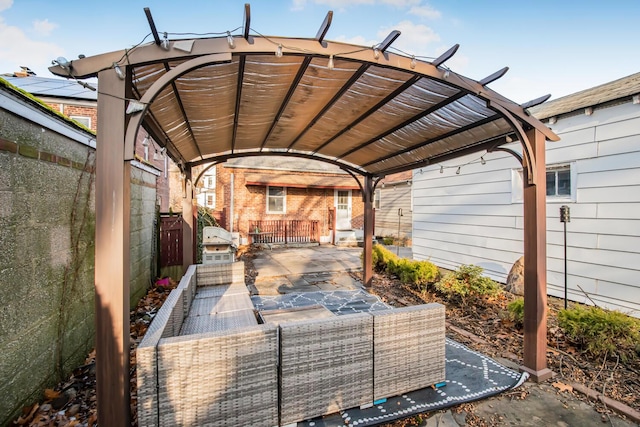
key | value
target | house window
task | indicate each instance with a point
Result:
(83, 120)
(210, 178)
(559, 181)
(211, 200)
(376, 199)
(276, 200)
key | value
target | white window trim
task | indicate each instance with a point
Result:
(517, 187)
(284, 200)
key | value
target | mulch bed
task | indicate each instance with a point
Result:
(484, 328)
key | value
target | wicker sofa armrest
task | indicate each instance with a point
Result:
(409, 349)
(326, 366)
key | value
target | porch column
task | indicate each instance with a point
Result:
(113, 176)
(535, 264)
(188, 225)
(367, 197)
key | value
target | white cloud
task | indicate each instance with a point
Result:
(401, 3)
(425, 11)
(5, 4)
(22, 50)
(359, 40)
(44, 27)
(414, 39)
(344, 4)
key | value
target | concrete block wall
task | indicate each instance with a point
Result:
(143, 223)
(47, 258)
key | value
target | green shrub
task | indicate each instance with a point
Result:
(386, 240)
(602, 332)
(417, 273)
(467, 284)
(516, 311)
(380, 257)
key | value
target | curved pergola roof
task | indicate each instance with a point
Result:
(364, 109)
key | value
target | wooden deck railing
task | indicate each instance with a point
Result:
(284, 231)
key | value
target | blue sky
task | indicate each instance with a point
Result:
(557, 47)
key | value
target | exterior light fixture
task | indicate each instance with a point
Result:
(482, 160)
(458, 170)
(279, 51)
(165, 43)
(145, 141)
(63, 62)
(446, 74)
(118, 71)
(376, 53)
(508, 139)
(330, 65)
(441, 169)
(413, 62)
(232, 43)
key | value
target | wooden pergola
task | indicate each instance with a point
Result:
(365, 109)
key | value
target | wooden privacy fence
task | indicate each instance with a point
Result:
(170, 241)
(284, 231)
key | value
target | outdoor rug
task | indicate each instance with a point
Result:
(470, 375)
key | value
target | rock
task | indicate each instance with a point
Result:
(45, 407)
(73, 410)
(515, 279)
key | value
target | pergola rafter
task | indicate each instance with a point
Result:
(376, 114)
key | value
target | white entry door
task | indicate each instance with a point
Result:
(343, 209)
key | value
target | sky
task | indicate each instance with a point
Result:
(555, 47)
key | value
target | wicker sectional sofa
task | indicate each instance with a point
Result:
(211, 363)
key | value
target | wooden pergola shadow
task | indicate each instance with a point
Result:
(365, 109)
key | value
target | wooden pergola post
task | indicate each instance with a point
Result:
(535, 264)
(367, 197)
(113, 177)
(189, 223)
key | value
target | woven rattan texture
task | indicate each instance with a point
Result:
(227, 378)
(409, 349)
(326, 366)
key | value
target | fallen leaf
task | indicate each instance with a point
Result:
(562, 386)
(50, 394)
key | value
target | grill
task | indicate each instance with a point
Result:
(217, 246)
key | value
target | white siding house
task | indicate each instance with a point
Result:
(470, 211)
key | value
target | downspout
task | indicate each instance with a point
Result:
(231, 204)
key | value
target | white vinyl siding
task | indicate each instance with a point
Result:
(475, 217)
(392, 198)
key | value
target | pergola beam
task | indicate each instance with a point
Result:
(354, 78)
(152, 26)
(436, 139)
(292, 89)
(386, 43)
(406, 85)
(324, 27)
(407, 122)
(445, 56)
(241, 65)
(247, 21)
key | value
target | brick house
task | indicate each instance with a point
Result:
(246, 193)
(80, 104)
